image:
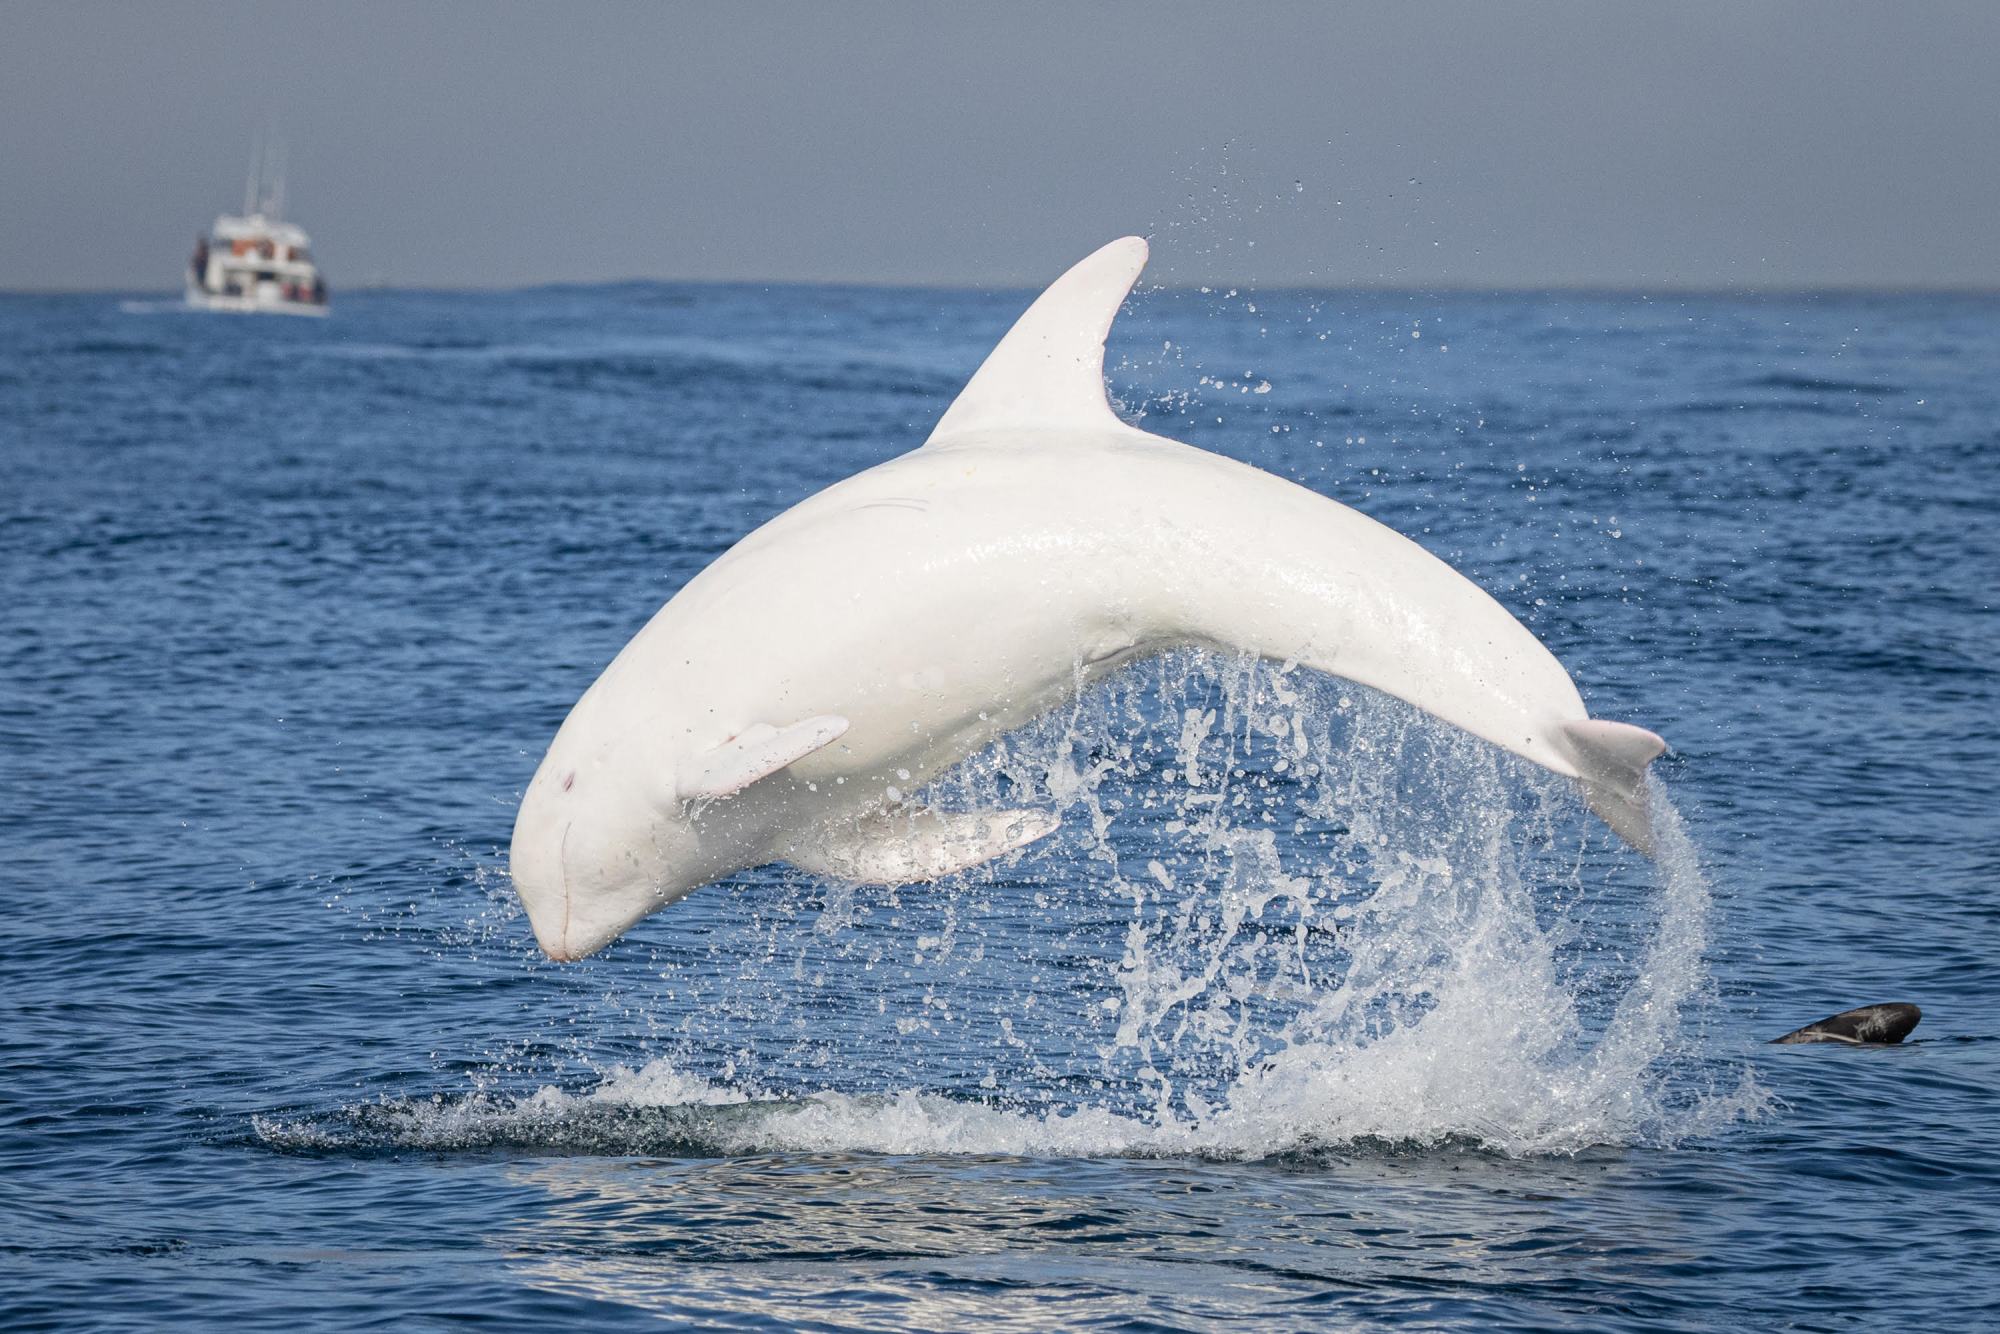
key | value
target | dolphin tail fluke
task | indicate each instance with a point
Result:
(1611, 758)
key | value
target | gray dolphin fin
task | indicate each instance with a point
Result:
(1048, 372)
(903, 846)
(758, 751)
(1612, 759)
(1862, 1027)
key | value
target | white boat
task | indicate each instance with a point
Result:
(255, 262)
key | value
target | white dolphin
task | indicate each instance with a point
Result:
(783, 705)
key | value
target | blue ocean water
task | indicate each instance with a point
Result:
(1316, 1014)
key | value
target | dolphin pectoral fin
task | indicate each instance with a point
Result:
(1611, 759)
(899, 848)
(758, 751)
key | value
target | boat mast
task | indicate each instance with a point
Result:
(264, 188)
(274, 194)
(252, 181)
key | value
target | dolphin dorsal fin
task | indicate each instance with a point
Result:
(1048, 372)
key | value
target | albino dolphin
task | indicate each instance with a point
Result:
(783, 705)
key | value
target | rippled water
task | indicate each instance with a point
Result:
(1315, 1013)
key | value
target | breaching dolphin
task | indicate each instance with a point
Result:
(786, 703)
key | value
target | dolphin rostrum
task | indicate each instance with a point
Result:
(785, 704)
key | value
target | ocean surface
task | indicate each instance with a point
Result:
(1316, 1014)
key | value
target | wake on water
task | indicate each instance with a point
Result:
(1343, 923)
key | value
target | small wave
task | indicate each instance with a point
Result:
(111, 347)
(1814, 384)
(646, 365)
(1722, 407)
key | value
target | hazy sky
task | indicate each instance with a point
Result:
(1730, 143)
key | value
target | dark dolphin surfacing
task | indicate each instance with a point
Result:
(1870, 1025)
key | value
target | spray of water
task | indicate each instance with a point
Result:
(1285, 915)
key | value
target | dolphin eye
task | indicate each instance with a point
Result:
(569, 780)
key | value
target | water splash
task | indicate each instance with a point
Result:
(1285, 914)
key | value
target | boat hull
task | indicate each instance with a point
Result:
(250, 305)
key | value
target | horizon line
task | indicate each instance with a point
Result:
(1212, 286)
